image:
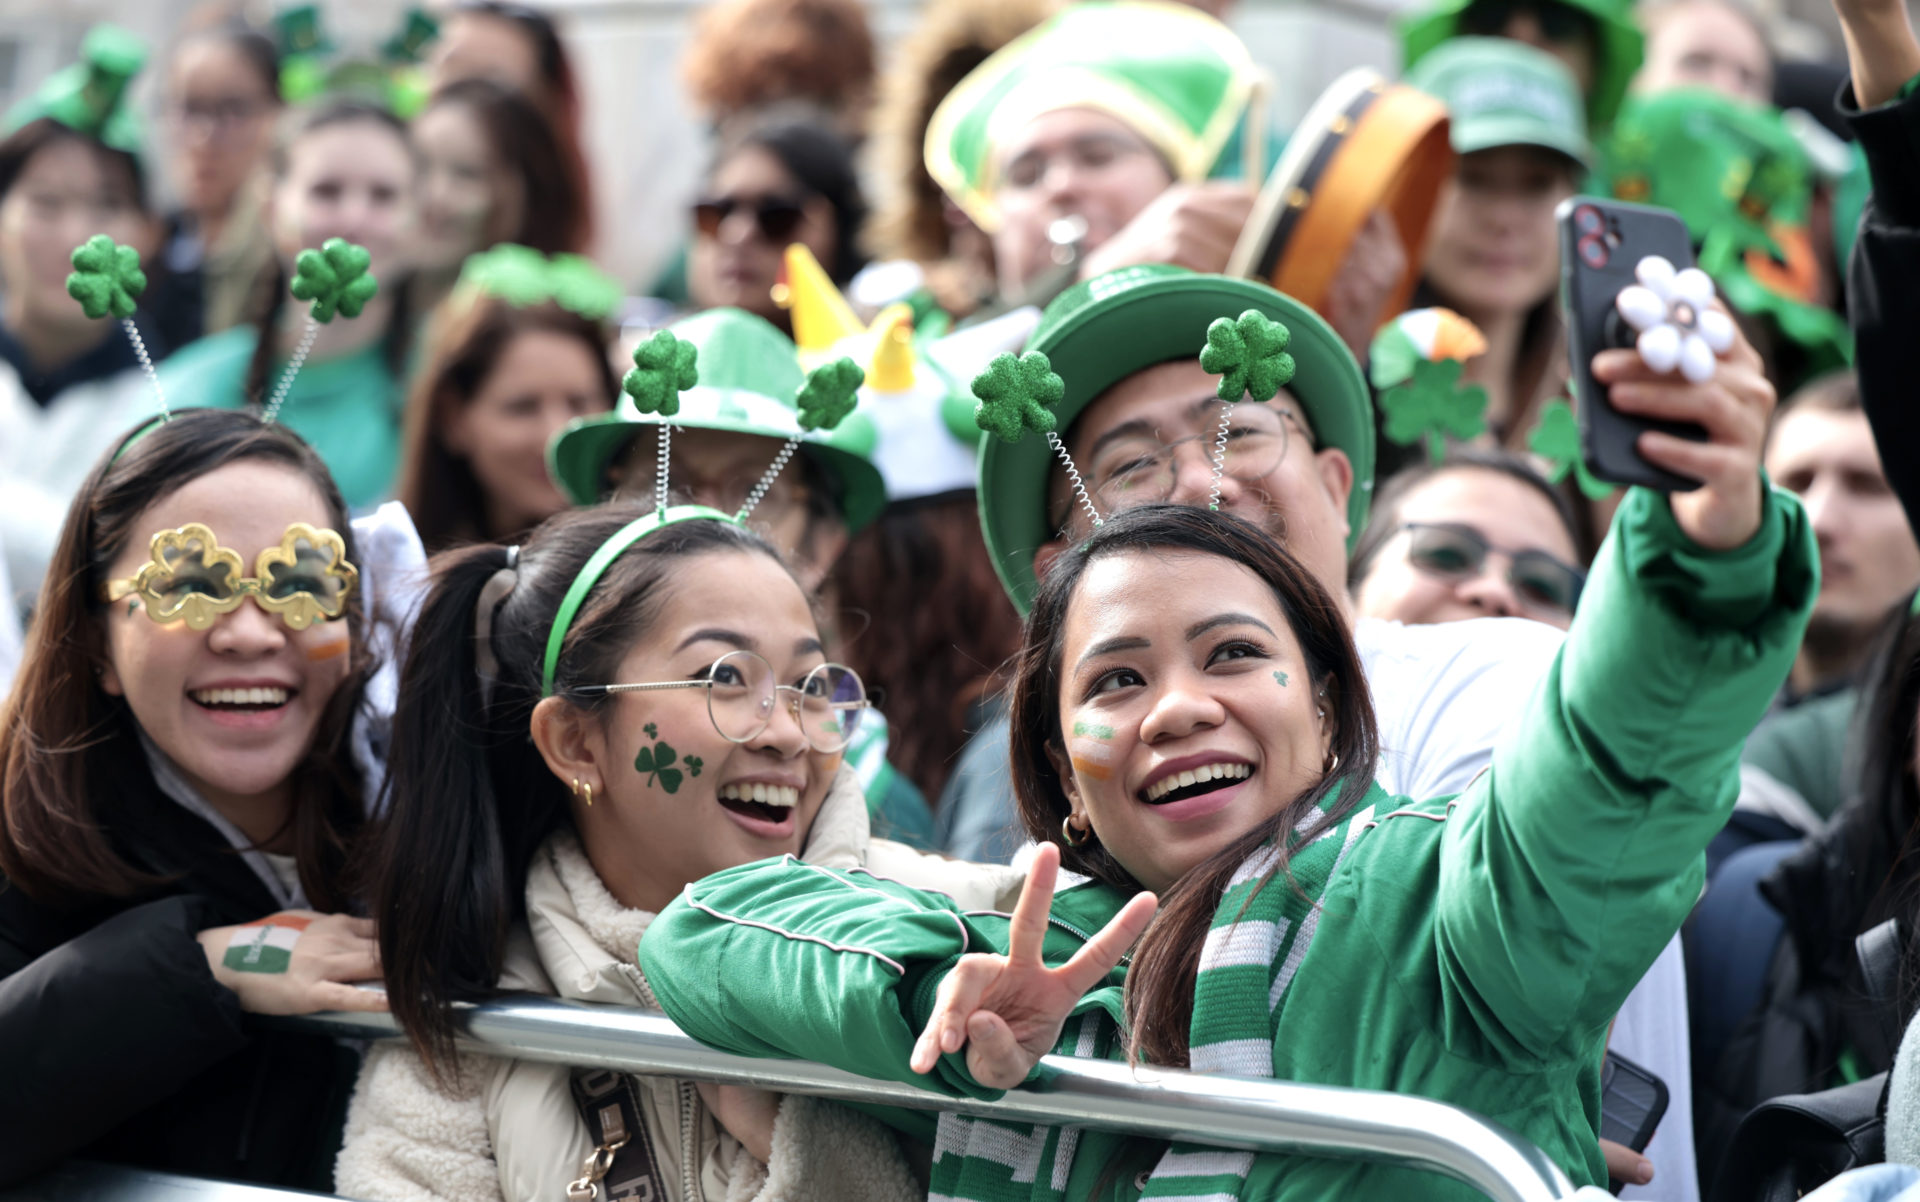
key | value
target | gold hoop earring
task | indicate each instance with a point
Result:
(586, 794)
(1067, 829)
(576, 786)
(1333, 762)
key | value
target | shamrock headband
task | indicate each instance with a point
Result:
(1248, 353)
(337, 280)
(107, 280)
(664, 366)
(523, 277)
(597, 565)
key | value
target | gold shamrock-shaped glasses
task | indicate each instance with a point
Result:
(192, 578)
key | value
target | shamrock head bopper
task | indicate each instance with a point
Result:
(830, 393)
(1015, 395)
(336, 278)
(663, 368)
(1249, 354)
(106, 278)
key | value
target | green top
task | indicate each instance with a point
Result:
(1804, 749)
(348, 408)
(1107, 328)
(1617, 57)
(1500, 92)
(1471, 950)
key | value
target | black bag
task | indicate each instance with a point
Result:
(1789, 1146)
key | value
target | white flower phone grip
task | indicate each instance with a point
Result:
(1673, 315)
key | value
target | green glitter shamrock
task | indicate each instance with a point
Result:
(1249, 354)
(1017, 395)
(830, 393)
(657, 761)
(335, 278)
(106, 278)
(663, 368)
(1431, 405)
(1557, 440)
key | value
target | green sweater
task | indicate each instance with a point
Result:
(1472, 950)
(348, 409)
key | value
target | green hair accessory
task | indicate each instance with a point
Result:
(1015, 395)
(524, 277)
(89, 97)
(409, 45)
(596, 567)
(1556, 439)
(663, 368)
(1249, 354)
(829, 395)
(107, 280)
(338, 281)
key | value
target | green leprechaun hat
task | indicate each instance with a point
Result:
(1742, 182)
(1171, 73)
(1102, 330)
(749, 379)
(1618, 49)
(90, 96)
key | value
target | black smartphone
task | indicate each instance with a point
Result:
(1601, 241)
(1632, 1103)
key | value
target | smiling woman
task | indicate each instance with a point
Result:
(176, 790)
(588, 723)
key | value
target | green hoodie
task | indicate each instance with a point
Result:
(1471, 950)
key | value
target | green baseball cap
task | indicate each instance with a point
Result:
(1103, 330)
(1499, 92)
(1617, 52)
(749, 378)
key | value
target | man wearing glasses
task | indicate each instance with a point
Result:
(1139, 417)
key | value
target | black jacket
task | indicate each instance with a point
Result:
(1883, 299)
(117, 1043)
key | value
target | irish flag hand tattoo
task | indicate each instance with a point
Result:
(265, 946)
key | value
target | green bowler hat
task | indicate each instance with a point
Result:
(749, 378)
(1618, 51)
(1171, 73)
(1103, 330)
(90, 96)
(1500, 92)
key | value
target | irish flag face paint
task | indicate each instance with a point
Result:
(1091, 750)
(265, 946)
(327, 640)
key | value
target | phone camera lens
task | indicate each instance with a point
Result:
(1586, 219)
(1593, 251)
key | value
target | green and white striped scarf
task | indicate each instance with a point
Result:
(1251, 955)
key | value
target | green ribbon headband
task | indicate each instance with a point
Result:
(597, 565)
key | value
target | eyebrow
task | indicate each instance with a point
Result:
(715, 634)
(809, 646)
(1109, 646)
(1229, 619)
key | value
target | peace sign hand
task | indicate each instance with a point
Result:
(1007, 1011)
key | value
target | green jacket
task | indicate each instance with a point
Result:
(1472, 950)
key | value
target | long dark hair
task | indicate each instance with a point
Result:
(473, 799)
(1160, 985)
(19, 148)
(65, 743)
(439, 489)
(270, 290)
(821, 162)
(554, 220)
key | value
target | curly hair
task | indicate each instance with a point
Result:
(749, 54)
(952, 38)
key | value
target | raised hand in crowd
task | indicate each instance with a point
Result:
(1188, 225)
(297, 962)
(1007, 1011)
(1881, 49)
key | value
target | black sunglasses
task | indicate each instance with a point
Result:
(776, 217)
(1560, 23)
(1456, 552)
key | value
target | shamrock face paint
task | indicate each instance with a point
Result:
(657, 761)
(265, 946)
(1281, 679)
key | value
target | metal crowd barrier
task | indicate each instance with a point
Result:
(1226, 1112)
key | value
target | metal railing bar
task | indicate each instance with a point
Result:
(1228, 1112)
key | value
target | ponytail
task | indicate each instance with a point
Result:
(260, 366)
(471, 797)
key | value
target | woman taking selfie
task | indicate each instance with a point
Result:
(1190, 721)
(178, 813)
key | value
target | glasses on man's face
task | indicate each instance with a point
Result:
(1560, 23)
(1455, 552)
(776, 217)
(828, 703)
(1138, 469)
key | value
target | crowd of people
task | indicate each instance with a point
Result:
(1080, 571)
